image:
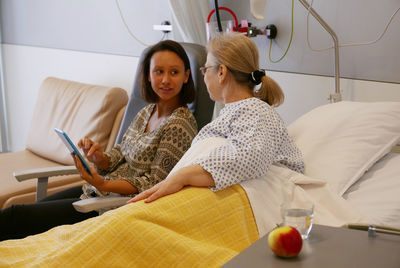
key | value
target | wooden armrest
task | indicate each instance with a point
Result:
(45, 172)
(98, 203)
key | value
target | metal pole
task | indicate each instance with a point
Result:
(337, 96)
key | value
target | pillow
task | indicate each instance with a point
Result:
(341, 141)
(78, 109)
(377, 192)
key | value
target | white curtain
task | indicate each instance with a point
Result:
(190, 17)
(4, 147)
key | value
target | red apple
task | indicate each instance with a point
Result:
(285, 241)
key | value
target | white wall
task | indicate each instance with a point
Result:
(26, 66)
(305, 92)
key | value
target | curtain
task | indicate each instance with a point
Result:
(4, 147)
(190, 18)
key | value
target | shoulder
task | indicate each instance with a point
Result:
(251, 108)
(148, 109)
(183, 116)
(257, 104)
(257, 113)
(145, 112)
(141, 117)
(182, 112)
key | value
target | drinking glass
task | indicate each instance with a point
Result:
(299, 216)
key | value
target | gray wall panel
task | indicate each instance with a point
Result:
(84, 25)
(95, 25)
(352, 21)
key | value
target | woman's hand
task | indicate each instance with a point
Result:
(95, 179)
(193, 175)
(168, 186)
(94, 153)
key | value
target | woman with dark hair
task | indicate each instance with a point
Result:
(157, 138)
(187, 94)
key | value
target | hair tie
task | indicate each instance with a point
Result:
(256, 76)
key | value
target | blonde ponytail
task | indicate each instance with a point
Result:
(270, 92)
(240, 55)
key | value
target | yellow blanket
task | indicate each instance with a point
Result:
(192, 228)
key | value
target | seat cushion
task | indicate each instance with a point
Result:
(78, 109)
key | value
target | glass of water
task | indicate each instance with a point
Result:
(299, 216)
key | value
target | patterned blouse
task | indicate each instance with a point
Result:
(257, 137)
(145, 158)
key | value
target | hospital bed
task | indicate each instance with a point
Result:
(351, 175)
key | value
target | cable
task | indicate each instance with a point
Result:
(217, 14)
(290, 42)
(130, 32)
(346, 45)
(226, 9)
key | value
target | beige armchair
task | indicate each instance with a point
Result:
(77, 108)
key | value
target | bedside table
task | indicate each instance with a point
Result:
(327, 247)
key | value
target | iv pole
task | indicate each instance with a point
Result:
(336, 96)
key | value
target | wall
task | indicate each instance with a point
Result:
(26, 67)
(89, 25)
(27, 64)
(96, 26)
(353, 21)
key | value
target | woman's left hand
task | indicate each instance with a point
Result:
(193, 175)
(168, 186)
(95, 179)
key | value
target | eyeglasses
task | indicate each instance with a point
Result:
(203, 69)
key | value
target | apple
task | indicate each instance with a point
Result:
(285, 241)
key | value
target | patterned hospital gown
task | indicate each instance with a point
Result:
(257, 138)
(145, 158)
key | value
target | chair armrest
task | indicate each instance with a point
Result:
(45, 172)
(99, 203)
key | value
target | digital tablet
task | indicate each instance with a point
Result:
(72, 148)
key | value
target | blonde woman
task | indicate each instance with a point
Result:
(256, 135)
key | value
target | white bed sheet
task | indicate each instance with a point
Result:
(267, 193)
(377, 193)
(280, 184)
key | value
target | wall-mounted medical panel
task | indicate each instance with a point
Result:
(355, 21)
(97, 26)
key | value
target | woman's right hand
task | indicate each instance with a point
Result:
(93, 152)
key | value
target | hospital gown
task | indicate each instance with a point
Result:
(257, 137)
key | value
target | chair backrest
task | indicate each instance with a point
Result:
(77, 108)
(202, 108)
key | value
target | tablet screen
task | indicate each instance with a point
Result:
(72, 148)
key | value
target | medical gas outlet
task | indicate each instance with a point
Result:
(270, 31)
(165, 27)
